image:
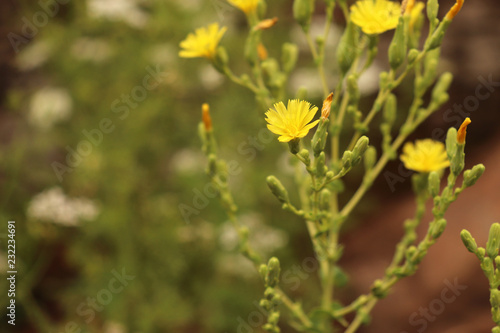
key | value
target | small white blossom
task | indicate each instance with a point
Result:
(91, 49)
(125, 10)
(54, 206)
(49, 106)
(34, 55)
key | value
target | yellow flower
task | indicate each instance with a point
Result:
(203, 43)
(425, 156)
(415, 13)
(375, 17)
(291, 122)
(246, 6)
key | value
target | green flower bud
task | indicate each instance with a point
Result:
(321, 167)
(383, 79)
(493, 243)
(397, 49)
(432, 9)
(269, 292)
(434, 183)
(439, 93)
(471, 176)
(378, 289)
(289, 56)
(469, 241)
(370, 157)
(347, 49)
(360, 149)
(294, 145)
(274, 318)
(438, 228)
(251, 46)
(487, 267)
(451, 142)
(495, 298)
(273, 273)
(390, 109)
(302, 12)
(437, 37)
(265, 304)
(263, 270)
(347, 160)
(318, 141)
(278, 189)
(353, 89)
(324, 199)
(412, 56)
(304, 154)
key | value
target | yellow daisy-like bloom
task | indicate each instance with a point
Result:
(247, 6)
(291, 122)
(425, 156)
(203, 43)
(375, 17)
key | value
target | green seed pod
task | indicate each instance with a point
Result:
(278, 189)
(390, 109)
(471, 176)
(469, 241)
(493, 243)
(289, 56)
(397, 49)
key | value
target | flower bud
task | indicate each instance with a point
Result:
(434, 183)
(347, 160)
(451, 143)
(304, 154)
(289, 56)
(397, 49)
(462, 131)
(252, 46)
(273, 272)
(359, 149)
(471, 176)
(439, 93)
(469, 241)
(390, 109)
(321, 167)
(302, 12)
(432, 9)
(278, 189)
(493, 243)
(324, 199)
(263, 270)
(347, 48)
(412, 56)
(353, 89)
(437, 37)
(370, 157)
(221, 59)
(438, 228)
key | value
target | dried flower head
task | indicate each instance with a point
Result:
(425, 156)
(203, 43)
(455, 9)
(375, 17)
(205, 117)
(293, 121)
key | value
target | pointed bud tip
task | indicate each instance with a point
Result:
(454, 10)
(205, 116)
(462, 131)
(327, 103)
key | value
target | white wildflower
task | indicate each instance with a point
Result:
(49, 106)
(34, 55)
(125, 10)
(91, 49)
(54, 206)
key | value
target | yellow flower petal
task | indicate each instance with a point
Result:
(425, 156)
(375, 17)
(293, 121)
(245, 6)
(203, 42)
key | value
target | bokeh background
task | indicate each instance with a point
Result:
(98, 152)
